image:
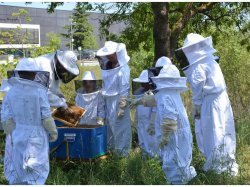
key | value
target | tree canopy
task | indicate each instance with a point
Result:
(169, 22)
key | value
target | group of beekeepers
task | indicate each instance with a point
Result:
(161, 119)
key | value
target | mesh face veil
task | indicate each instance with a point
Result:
(41, 77)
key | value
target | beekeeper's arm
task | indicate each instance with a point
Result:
(47, 121)
(7, 117)
(147, 100)
(169, 120)
(56, 98)
(197, 81)
(124, 86)
(100, 110)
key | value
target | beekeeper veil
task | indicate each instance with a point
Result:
(114, 49)
(141, 84)
(65, 65)
(88, 84)
(195, 48)
(154, 71)
(27, 69)
(169, 78)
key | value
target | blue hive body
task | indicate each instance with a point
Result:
(79, 143)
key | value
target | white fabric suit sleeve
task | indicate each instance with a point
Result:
(197, 81)
(124, 75)
(169, 120)
(101, 107)
(44, 104)
(56, 101)
(168, 109)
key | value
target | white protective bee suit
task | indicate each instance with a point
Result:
(47, 63)
(214, 122)
(115, 91)
(172, 126)
(25, 107)
(145, 119)
(93, 102)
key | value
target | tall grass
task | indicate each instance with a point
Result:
(140, 169)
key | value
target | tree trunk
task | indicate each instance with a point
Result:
(161, 32)
(173, 44)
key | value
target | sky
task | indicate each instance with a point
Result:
(66, 6)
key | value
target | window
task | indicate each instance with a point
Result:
(15, 35)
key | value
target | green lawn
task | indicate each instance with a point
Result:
(139, 169)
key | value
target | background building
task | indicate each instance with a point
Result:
(43, 23)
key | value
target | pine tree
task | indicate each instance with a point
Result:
(82, 30)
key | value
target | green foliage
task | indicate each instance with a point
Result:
(4, 68)
(82, 30)
(54, 40)
(235, 62)
(140, 28)
(53, 44)
(140, 60)
(18, 35)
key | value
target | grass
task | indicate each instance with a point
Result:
(140, 169)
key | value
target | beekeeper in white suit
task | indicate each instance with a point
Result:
(211, 106)
(148, 98)
(144, 116)
(62, 68)
(172, 126)
(115, 71)
(26, 116)
(89, 96)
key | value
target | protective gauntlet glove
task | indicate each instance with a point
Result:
(146, 100)
(122, 106)
(168, 126)
(49, 125)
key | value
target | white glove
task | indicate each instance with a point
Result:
(146, 100)
(49, 125)
(135, 102)
(168, 126)
(9, 126)
(151, 127)
(100, 121)
(122, 106)
(196, 112)
(149, 92)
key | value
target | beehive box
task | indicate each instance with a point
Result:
(72, 119)
(84, 142)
